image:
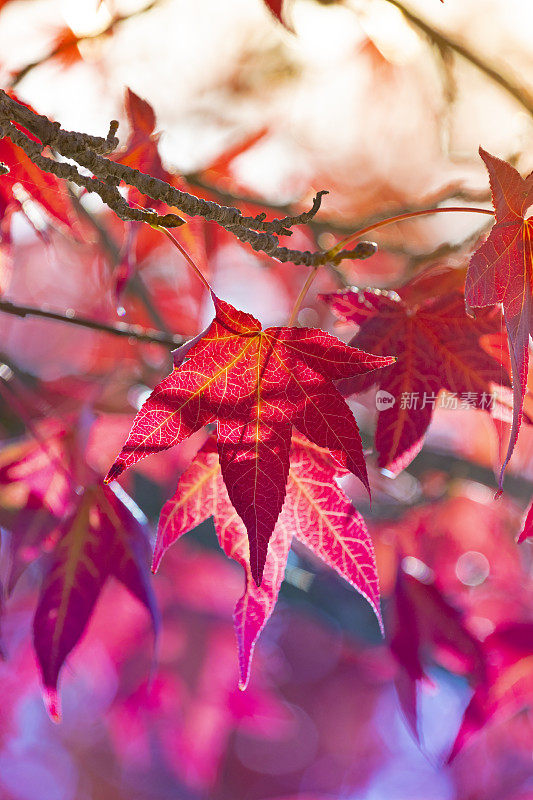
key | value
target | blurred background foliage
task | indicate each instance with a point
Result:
(385, 106)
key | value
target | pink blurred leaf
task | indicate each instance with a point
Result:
(103, 537)
(423, 621)
(508, 687)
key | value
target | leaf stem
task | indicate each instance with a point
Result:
(399, 218)
(184, 254)
(299, 300)
(348, 239)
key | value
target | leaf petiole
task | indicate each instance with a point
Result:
(184, 254)
(399, 218)
(363, 231)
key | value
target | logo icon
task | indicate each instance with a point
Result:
(384, 400)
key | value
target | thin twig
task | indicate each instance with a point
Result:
(335, 251)
(451, 191)
(120, 329)
(443, 41)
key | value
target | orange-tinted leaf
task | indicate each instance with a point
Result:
(25, 180)
(65, 47)
(500, 272)
(218, 168)
(438, 347)
(257, 384)
(316, 511)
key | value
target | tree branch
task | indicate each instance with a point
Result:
(520, 93)
(120, 329)
(86, 151)
(451, 191)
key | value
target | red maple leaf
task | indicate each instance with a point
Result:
(256, 383)
(500, 272)
(438, 347)
(141, 150)
(316, 511)
(102, 538)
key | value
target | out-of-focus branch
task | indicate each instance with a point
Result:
(108, 244)
(120, 329)
(451, 191)
(443, 41)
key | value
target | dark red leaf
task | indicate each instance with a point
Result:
(500, 272)
(438, 347)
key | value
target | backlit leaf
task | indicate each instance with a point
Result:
(257, 384)
(500, 272)
(100, 539)
(315, 510)
(438, 347)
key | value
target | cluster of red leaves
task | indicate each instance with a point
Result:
(263, 485)
(456, 568)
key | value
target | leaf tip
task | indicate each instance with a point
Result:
(377, 611)
(52, 704)
(257, 563)
(156, 561)
(116, 470)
